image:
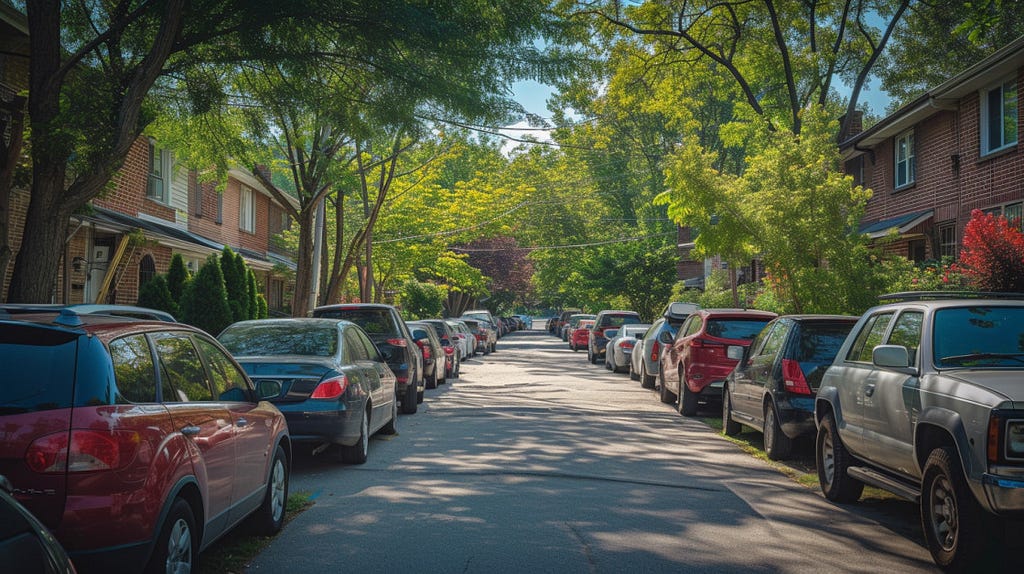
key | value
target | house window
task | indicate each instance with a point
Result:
(1013, 213)
(999, 117)
(916, 250)
(147, 270)
(906, 166)
(157, 187)
(855, 168)
(947, 240)
(247, 211)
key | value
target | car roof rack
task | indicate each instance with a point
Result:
(944, 295)
(70, 315)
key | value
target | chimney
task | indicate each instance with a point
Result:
(856, 125)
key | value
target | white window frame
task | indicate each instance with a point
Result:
(988, 128)
(247, 210)
(910, 162)
(158, 184)
(948, 241)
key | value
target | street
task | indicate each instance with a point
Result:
(537, 461)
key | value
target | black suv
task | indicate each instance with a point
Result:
(606, 320)
(387, 330)
(772, 388)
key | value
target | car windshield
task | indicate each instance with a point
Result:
(619, 320)
(319, 340)
(979, 336)
(373, 321)
(744, 329)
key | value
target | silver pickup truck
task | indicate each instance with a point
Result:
(926, 400)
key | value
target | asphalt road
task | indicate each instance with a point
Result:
(537, 461)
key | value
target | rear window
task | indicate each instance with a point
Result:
(619, 320)
(817, 348)
(281, 339)
(979, 336)
(743, 329)
(38, 369)
(373, 321)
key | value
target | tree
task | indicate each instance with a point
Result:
(233, 269)
(177, 277)
(253, 292)
(155, 294)
(421, 300)
(205, 303)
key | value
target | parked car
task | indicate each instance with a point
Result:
(138, 443)
(581, 334)
(694, 366)
(556, 322)
(130, 311)
(484, 315)
(572, 322)
(430, 345)
(336, 388)
(607, 319)
(464, 336)
(481, 334)
(772, 387)
(619, 350)
(647, 354)
(924, 400)
(453, 348)
(386, 328)
(25, 542)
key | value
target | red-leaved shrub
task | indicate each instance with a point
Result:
(992, 258)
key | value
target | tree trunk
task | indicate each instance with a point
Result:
(9, 157)
(301, 299)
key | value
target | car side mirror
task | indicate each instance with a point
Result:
(735, 352)
(895, 357)
(266, 390)
(666, 337)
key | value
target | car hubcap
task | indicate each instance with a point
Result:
(769, 427)
(277, 491)
(828, 458)
(179, 548)
(945, 517)
(726, 411)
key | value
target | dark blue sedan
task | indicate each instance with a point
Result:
(336, 387)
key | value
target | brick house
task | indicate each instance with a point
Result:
(932, 162)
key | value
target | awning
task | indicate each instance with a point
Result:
(902, 224)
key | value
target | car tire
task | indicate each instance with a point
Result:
(358, 452)
(409, 400)
(177, 544)
(729, 426)
(593, 357)
(777, 445)
(494, 347)
(952, 520)
(391, 427)
(431, 382)
(646, 381)
(833, 460)
(269, 518)
(666, 396)
(687, 399)
(633, 376)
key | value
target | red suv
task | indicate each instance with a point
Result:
(136, 442)
(694, 365)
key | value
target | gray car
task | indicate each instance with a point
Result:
(925, 399)
(620, 348)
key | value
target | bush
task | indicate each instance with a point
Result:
(155, 294)
(177, 278)
(421, 300)
(205, 302)
(992, 258)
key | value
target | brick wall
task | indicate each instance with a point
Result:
(128, 189)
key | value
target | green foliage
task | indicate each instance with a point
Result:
(252, 290)
(155, 294)
(896, 274)
(232, 266)
(205, 302)
(177, 277)
(261, 307)
(421, 300)
(717, 292)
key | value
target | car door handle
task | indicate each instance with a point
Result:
(241, 422)
(869, 390)
(190, 430)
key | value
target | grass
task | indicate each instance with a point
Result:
(232, 553)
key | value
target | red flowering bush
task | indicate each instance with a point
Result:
(992, 258)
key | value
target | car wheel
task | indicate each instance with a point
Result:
(177, 545)
(419, 397)
(729, 426)
(357, 453)
(646, 381)
(409, 400)
(633, 376)
(832, 460)
(494, 347)
(667, 396)
(391, 427)
(269, 518)
(777, 445)
(688, 398)
(953, 524)
(608, 364)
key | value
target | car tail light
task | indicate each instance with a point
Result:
(425, 347)
(654, 351)
(449, 350)
(330, 388)
(397, 342)
(627, 344)
(994, 422)
(88, 451)
(793, 377)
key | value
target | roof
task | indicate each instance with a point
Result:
(945, 96)
(901, 223)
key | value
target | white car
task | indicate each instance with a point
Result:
(620, 348)
(467, 342)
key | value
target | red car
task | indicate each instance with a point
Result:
(581, 334)
(694, 366)
(137, 443)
